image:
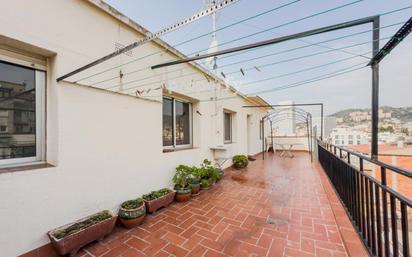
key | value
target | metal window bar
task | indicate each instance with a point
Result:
(378, 212)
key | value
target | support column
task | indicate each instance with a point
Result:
(375, 91)
(321, 122)
(263, 138)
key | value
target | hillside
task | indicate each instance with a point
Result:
(404, 114)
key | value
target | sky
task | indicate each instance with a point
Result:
(349, 90)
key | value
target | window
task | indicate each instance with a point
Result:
(167, 122)
(350, 139)
(3, 129)
(177, 123)
(227, 127)
(21, 114)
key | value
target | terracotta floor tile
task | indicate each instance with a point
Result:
(137, 243)
(175, 250)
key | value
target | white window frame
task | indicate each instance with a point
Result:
(40, 90)
(174, 145)
(230, 127)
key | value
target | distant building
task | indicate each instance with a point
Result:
(388, 137)
(348, 136)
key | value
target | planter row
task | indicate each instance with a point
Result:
(77, 237)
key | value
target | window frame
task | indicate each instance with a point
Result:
(230, 127)
(174, 145)
(40, 78)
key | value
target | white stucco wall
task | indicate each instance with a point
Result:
(106, 147)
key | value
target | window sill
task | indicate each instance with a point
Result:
(171, 150)
(23, 167)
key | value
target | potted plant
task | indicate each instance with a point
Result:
(158, 199)
(240, 161)
(204, 184)
(68, 239)
(132, 212)
(210, 172)
(182, 179)
(194, 181)
(220, 173)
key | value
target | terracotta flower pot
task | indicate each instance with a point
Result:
(183, 195)
(71, 243)
(195, 188)
(154, 205)
(131, 223)
(132, 217)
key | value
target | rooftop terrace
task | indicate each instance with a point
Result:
(276, 207)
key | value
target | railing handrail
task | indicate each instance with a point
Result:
(365, 157)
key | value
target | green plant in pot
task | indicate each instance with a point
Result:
(204, 184)
(209, 171)
(194, 180)
(158, 199)
(182, 183)
(240, 161)
(69, 238)
(220, 173)
(132, 212)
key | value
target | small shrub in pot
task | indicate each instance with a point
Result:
(68, 239)
(157, 199)
(209, 171)
(194, 181)
(132, 212)
(240, 161)
(182, 179)
(204, 184)
(220, 173)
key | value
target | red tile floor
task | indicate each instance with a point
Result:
(275, 207)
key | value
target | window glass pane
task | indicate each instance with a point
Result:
(227, 125)
(167, 122)
(182, 123)
(17, 112)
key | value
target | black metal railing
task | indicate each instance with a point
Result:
(378, 212)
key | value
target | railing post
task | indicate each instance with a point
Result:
(378, 222)
(385, 213)
(405, 230)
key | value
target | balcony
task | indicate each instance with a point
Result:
(276, 207)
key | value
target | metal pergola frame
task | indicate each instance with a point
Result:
(279, 115)
(294, 105)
